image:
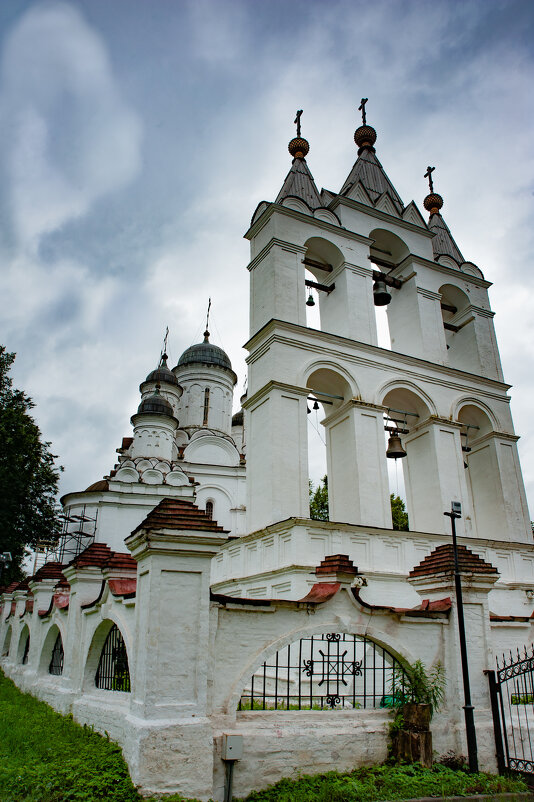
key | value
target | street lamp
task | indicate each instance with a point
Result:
(456, 512)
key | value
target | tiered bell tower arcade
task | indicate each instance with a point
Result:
(440, 384)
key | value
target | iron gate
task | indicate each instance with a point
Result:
(512, 703)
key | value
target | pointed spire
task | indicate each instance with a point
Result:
(367, 169)
(443, 243)
(299, 181)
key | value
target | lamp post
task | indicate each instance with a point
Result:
(456, 512)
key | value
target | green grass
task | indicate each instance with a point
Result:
(45, 757)
(386, 783)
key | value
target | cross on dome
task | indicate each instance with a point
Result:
(428, 174)
(361, 108)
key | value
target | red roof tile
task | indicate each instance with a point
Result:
(441, 560)
(50, 570)
(122, 587)
(321, 592)
(336, 563)
(175, 513)
(119, 560)
(10, 588)
(96, 555)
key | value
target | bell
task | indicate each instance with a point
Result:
(381, 294)
(310, 301)
(395, 449)
(316, 405)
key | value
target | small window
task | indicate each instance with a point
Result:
(113, 673)
(206, 406)
(209, 509)
(56, 663)
(26, 651)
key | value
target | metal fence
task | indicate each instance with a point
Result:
(327, 671)
(113, 673)
(512, 702)
(56, 662)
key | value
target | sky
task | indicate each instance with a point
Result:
(138, 136)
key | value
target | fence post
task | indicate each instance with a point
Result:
(497, 729)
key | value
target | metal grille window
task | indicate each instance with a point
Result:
(26, 651)
(209, 509)
(113, 673)
(206, 406)
(328, 671)
(56, 662)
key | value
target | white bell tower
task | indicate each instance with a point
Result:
(440, 383)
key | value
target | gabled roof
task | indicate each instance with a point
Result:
(370, 173)
(175, 513)
(299, 183)
(443, 243)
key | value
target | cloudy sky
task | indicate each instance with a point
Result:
(138, 136)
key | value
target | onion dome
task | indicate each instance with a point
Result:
(205, 353)
(433, 203)
(299, 147)
(365, 137)
(162, 374)
(155, 404)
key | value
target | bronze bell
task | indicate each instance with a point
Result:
(310, 301)
(381, 294)
(395, 449)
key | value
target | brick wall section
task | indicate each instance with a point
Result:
(441, 560)
(179, 514)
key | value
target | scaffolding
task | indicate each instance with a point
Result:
(78, 533)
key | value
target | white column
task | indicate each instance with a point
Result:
(85, 584)
(358, 489)
(416, 323)
(277, 288)
(434, 475)
(348, 310)
(277, 455)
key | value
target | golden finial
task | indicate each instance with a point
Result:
(365, 135)
(298, 147)
(433, 202)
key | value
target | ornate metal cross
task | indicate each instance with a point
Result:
(208, 313)
(362, 109)
(428, 174)
(297, 121)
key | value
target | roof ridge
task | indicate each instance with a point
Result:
(299, 183)
(443, 243)
(368, 170)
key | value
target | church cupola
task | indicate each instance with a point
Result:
(299, 182)
(154, 427)
(164, 381)
(155, 404)
(443, 243)
(205, 372)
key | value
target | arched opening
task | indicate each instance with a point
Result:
(328, 392)
(113, 673)
(407, 455)
(52, 652)
(460, 339)
(387, 251)
(7, 642)
(321, 259)
(206, 407)
(209, 508)
(480, 461)
(24, 646)
(326, 671)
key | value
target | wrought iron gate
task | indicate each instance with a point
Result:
(512, 703)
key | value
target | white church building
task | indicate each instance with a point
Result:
(191, 596)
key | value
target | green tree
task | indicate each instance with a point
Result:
(399, 514)
(319, 501)
(29, 512)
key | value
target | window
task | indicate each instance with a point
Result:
(206, 406)
(56, 662)
(113, 673)
(209, 509)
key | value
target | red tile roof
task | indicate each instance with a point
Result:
(10, 588)
(441, 560)
(119, 560)
(423, 610)
(96, 555)
(175, 513)
(336, 563)
(122, 587)
(51, 570)
(321, 592)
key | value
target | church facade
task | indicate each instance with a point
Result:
(192, 597)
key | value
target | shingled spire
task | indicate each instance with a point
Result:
(443, 243)
(299, 181)
(367, 169)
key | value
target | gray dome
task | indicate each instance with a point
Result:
(162, 373)
(205, 353)
(237, 419)
(155, 404)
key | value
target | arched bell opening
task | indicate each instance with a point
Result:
(405, 453)
(386, 253)
(327, 446)
(7, 643)
(321, 259)
(481, 464)
(462, 350)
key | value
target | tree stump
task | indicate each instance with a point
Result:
(413, 743)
